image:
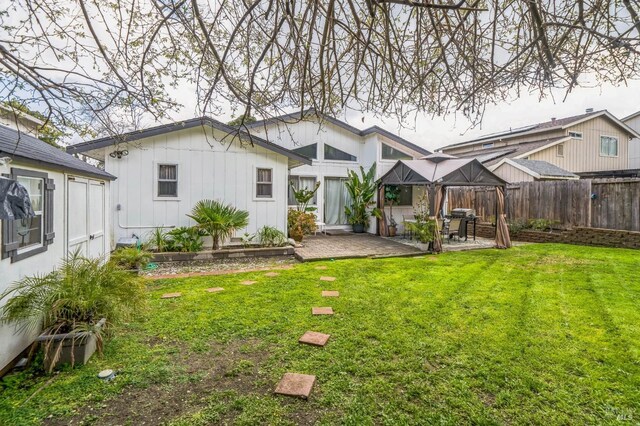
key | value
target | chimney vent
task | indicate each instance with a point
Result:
(589, 110)
(553, 119)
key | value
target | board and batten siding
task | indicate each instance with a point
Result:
(583, 155)
(12, 343)
(512, 174)
(506, 141)
(634, 144)
(210, 166)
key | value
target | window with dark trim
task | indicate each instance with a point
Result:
(390, 153)
(309, 151)
(406, 195)
(23, 238)
(167, 180)
(331, 153)
(264, 183)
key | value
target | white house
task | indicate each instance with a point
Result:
(335, 148)
(69, 198)
(164, 171)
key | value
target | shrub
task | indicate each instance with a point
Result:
(423, 230)
(218, 220)
(517, 225)
(542, 224)
(362, 190)
(130, 258)
(159, 241)
(271, 237)
(301, 223)
(186, 239)
(74, 298)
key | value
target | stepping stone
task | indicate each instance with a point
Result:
(321, 268)
(330, 293)
(171, 295)
(271, 274)
(327, 278)
(215, 289)
(314, 338)
(294, 384)
(248, 282)
(322, 311)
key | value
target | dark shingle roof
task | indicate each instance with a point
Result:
(182, 125)
(297, 116)
(543, 168)
(24, 146)
(491, 156)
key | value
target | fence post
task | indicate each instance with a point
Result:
(589, 203)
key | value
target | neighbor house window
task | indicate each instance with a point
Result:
(608, 146)
(487, 145)
(23, 238)
(167, 180)
(264, 183)
(576, 135)
(331, 153)
(299, 182)
(560, 150)
(390, 153)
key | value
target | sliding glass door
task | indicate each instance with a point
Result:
(336, 198)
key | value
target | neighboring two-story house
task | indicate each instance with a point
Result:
(336, 148)
(633, 121)
(594, 144)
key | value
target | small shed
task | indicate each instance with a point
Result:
(437, 172)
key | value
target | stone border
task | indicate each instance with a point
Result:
(223, 254)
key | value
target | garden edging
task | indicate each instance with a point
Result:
(223, 254)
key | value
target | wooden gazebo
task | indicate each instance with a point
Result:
(438, 171)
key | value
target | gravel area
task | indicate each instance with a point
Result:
(231, 265)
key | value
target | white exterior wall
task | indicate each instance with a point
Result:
(367, 149)
(11, 344)
(206, 170)
(634, 144)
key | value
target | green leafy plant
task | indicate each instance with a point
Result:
(247, 239)
(423, 230)
(130, 258)
(271, 237)
(304, 196)
(300, 223)
(391, 196)
(159, 241)
(362, 189)
(542, 224)
(73, 298)
(517, 225)
(186, 238)
(218, 220)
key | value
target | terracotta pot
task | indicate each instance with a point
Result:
(392, 231)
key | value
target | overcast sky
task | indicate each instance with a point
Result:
(433, 133)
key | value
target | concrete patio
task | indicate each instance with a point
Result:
(351, 246)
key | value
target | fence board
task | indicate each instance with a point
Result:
(616, 204)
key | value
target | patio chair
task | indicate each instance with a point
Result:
(407, 219)
(444, 229)
(454, 228)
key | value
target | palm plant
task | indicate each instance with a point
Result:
(73, 299)
(362, 190)
(218, 220)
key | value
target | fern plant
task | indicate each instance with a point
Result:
(271, 237)
(218, 220)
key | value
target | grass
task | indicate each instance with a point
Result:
(540, 334)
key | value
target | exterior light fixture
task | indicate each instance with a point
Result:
(119, 154)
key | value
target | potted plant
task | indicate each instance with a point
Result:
(74, 305)
(300, 223)
(362, 190)
(392, 195)
(218, 220)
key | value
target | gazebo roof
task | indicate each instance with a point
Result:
(446, 171)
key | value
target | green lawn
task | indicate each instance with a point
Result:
(540, 334)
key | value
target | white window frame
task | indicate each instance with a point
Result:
(255, 185)
(575, 135)
(560, 150)
(35, 246)
(391, 160)
(487, 145)
(156, 180)
(617, 146)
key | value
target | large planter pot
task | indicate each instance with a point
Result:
(392, 231)
(76, 348)
(358, 228)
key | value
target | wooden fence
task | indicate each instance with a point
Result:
(601, 203)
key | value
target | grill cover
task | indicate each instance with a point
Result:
(14, 200)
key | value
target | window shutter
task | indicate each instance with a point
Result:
(9, 243)
(49, 233)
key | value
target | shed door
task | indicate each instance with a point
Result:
(85, 216)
